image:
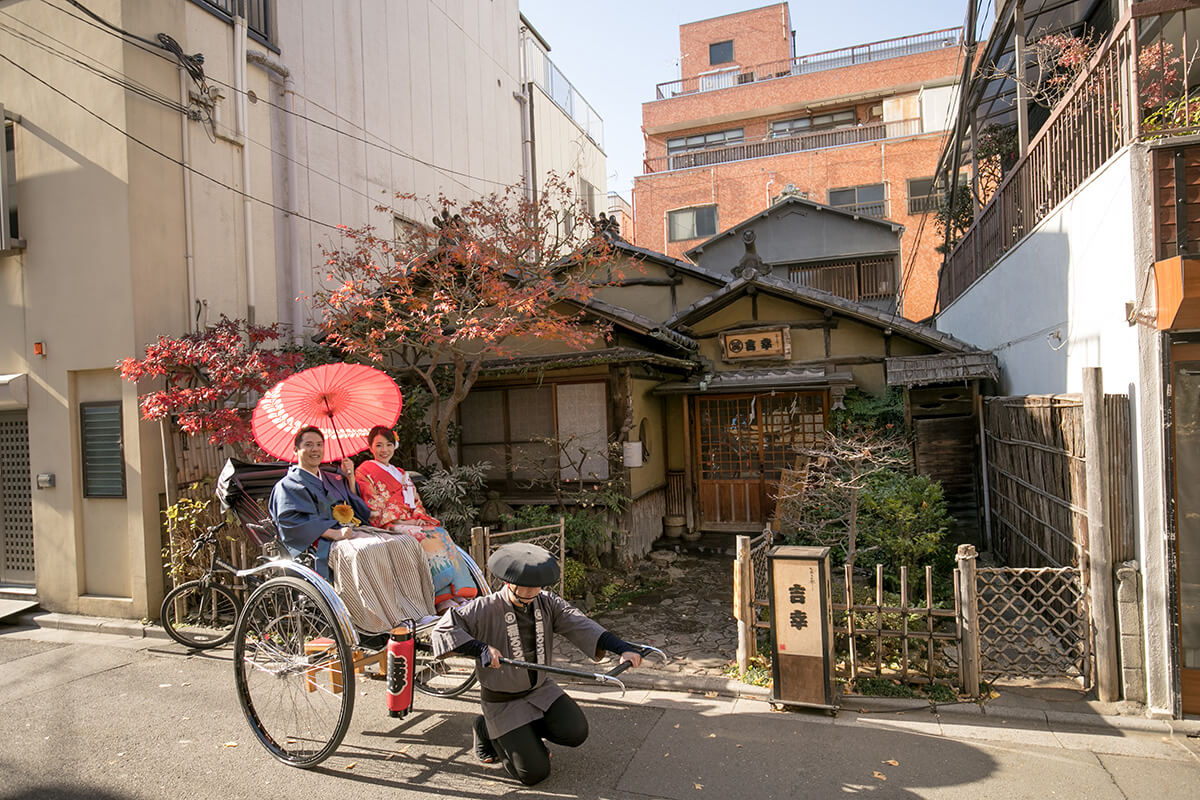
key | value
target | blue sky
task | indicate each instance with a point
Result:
(614, 52)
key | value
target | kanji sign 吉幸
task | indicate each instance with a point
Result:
(761, 343)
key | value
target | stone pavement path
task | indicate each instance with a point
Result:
(691, 619)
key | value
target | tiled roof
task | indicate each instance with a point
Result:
(737, 380)
(840, 305)
(783, 203)
(608, 355)
(941, 368)
(641, 324)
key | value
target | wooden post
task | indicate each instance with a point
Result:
(1108, 688)
(968, 601)
(688, 514)
(743, 603)
(479, 550)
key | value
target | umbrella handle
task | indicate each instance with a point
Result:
(336, 435)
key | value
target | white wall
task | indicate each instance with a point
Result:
(1056, 303)
(937, 107)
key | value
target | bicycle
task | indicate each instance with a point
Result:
(202, 613)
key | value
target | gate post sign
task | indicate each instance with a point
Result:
(801, 626)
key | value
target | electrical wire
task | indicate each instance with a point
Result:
(119, 79)
(192, 113)
(173, 160)
(446, 171)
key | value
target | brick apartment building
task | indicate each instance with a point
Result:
(859, 128)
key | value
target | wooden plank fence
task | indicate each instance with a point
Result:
(1036, 479)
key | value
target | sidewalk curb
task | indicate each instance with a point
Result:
(998, 711)
(52, 620)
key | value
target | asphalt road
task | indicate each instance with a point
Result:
(85, 715)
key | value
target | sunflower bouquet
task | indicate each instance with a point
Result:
(344, 514)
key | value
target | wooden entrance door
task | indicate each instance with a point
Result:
(743, 442)
(1185, 401)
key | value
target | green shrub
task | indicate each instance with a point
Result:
(586, 532)
(574, 578)
(454, 497)
(903, 521)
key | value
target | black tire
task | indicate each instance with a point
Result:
(448, 676)
(288, 695)
(200, 614)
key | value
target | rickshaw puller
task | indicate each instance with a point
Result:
(524, 708)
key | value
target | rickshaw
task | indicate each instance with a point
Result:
(296, 652)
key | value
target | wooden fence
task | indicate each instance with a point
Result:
(1036, 479)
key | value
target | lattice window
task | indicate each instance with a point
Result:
(789, 422)
(16, 506)
(729, 445)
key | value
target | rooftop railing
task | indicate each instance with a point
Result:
(1108, 106)
(813, 62)
(545, 74)
(779, 145)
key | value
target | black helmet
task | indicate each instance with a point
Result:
(524, 564)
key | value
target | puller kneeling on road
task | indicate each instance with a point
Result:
(523, 708)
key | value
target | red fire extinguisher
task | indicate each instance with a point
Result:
(400, 652)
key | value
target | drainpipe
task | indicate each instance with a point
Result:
(291, 202)
(523, 98)
(240, 33)
(189, 249)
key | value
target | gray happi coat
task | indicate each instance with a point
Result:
(492, 620)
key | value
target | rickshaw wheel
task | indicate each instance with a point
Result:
(294, 673)
(448, 676)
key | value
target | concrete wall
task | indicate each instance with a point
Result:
(1056, 303)
(562, 148)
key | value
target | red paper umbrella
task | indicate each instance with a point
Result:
(344, 400)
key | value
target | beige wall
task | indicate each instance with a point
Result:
(562, 148)
(649, 407)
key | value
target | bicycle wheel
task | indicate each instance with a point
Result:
(293, 670)
(448, 676)
(200, 614)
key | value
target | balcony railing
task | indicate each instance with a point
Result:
(1094, 120)
(813, 62)
(545, 74)
(869, 279)
(877, 209)
(780, 145)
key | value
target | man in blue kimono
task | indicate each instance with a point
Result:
(302, 502)
(383, 578)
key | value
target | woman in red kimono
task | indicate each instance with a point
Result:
(396, 506)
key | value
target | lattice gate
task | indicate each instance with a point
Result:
(1033, 623)
(16, 506)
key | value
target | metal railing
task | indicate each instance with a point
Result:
(778, 145)
(1110, 105)
(544, 73)
(813, 62)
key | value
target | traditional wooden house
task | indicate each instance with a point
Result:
(708, 384)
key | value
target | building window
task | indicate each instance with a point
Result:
(9, 230)
(834, 119)
(704, 141)
(533, 435)
(720, 52)
(867, 199)
(260, 17)
(102, 450)
(691, 223)
(923, 196)
(790, 127)
(587, 198)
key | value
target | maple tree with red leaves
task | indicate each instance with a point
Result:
(209, 377)
(492, 278)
